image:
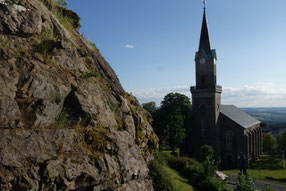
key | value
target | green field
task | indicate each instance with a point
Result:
(270, 166)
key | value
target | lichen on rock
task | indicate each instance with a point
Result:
(66, 123)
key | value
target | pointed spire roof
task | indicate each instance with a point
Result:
(205, 41)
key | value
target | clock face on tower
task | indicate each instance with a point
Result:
(202, 61)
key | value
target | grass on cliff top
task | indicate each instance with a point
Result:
(164, 177)
(270, 166)
(179, 183)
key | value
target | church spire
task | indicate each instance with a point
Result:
(205, 41)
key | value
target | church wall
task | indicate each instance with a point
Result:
(233, 131)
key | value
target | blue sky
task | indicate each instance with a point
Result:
(151, 45)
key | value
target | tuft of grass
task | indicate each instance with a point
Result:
(67, 22)
(63, 119)
(46, 44)
(86, 75)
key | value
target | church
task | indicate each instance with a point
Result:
(230, 131)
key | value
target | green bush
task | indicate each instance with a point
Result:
(194, 173)
(188, 168)
(160, 178)
(245, 183)
(178, 163)
(212, 184)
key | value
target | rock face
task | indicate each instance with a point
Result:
(65, 121)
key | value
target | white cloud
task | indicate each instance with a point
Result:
(129, 46)
(264, 95)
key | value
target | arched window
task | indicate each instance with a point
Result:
(203, 80)
(228, 141)
(203, 128)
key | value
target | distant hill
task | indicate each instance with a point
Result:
(274, 117)
(268, 115)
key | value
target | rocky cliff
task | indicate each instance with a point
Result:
(65, 121)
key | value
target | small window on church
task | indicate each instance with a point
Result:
(203, 80)
(228, 139)
(203, 128)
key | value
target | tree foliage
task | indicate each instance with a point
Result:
(175, 129)
(151, 107)
(269, 143)
(172, 120)
(282, 141)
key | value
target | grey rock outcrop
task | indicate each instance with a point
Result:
(65, 121)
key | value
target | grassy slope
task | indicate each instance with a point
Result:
(180, 183)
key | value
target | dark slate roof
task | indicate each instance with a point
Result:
(205, 41)
(238, 116)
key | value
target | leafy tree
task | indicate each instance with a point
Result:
(282, 141)
(151, 107)
(172, 120)
(62, 3)
(175, 130)
(174, 101)
(269, 143)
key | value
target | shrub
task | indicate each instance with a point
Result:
(212, 184)
(179, 163)
(245, 183)
(194, 173)
(161, 181)
(159, 176)
(188, 168)
(86, 75)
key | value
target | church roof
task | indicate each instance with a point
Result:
(238, 116)
(205, 40)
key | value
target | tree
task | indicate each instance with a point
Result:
(175, 130)
(269, 143)
(172, 120)
(282, 141)
(151, 107)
